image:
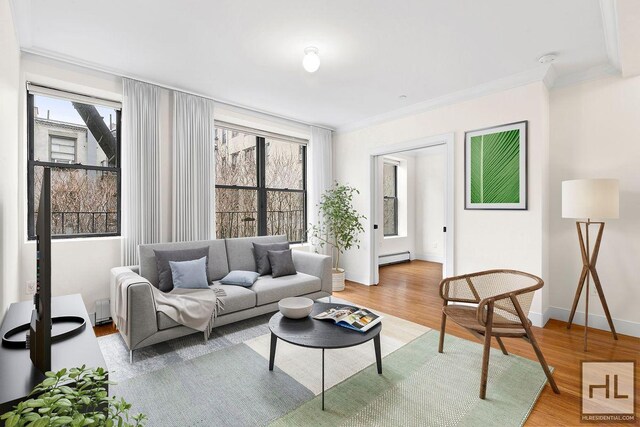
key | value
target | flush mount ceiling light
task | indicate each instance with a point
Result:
(311, 60)
(548, 58)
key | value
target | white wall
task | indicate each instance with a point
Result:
(405, 240)
(9, 122)
(595, 133)
(483, 239)
(430, 184)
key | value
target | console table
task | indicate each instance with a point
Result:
(18, 376)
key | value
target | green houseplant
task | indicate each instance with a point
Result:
(339, 226)
(75, 397)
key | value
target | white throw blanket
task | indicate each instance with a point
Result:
(194, 308)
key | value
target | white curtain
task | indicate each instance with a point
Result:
(193, 168)
(320, 176)
(140, 167)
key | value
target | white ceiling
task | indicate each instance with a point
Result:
(249, 52)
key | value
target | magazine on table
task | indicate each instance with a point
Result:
(358, 319)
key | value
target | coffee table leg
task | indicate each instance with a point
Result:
(323, 379)
(376, 345)
(272, 350)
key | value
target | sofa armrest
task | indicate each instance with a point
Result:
(314, 265)
(141, 320)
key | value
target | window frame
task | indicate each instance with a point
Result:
(261, 188)
(395, 201)
(32, 164)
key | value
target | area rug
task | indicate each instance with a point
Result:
(226, 381)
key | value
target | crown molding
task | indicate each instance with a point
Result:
(593, 73)
(21, 15)
(45, 53)
(609, 12)
(543, 73)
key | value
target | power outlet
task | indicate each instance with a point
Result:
(30, 289)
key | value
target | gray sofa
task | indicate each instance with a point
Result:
(146, 327)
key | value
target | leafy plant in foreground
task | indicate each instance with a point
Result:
(76, 397)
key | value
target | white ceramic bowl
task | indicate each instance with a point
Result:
(295, 307)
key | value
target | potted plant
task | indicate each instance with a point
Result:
(75, 397)
(339, 226)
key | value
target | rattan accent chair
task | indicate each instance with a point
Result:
(495, 304)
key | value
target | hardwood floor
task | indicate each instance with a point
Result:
(410, 291)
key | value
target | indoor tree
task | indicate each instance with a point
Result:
(340, 224)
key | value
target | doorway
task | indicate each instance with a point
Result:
(412, 204)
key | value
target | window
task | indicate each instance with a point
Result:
(80, 141)
(62, 149)
(390, 199)
(260, 194)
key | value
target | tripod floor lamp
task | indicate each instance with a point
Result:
(586, 199)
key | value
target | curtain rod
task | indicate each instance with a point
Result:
(118, 73)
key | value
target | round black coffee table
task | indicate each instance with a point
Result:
(323, 334)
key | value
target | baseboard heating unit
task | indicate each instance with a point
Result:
(394, 258)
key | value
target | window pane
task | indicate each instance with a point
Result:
(389, 215)
(285, 214)
(236, 213)
(82, 202)
(284, 164)
(235, 158)
(389, 180)
(73, 132)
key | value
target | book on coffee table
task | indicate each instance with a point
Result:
(357, 319)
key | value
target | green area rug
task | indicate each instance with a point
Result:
(421, 387)
(228, 382)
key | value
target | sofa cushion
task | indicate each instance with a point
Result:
(240, 251)
(281, 263)
(261, 253)
(238, 298)
(190, 274)
(240, 278)
(164, 257)
(217, 263)
(269, 289)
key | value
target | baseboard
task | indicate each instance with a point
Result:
(430, 258)
(539, 319)
(596, 321)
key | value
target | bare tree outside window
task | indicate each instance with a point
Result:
(80, 143)
(260, 186)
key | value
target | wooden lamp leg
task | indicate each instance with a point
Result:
(589, 271)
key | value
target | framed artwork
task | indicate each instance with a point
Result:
(496, 167)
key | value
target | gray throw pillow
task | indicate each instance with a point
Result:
(262, 260)
(165, 280)
(189, 274)
(240, 278)
(281, 263)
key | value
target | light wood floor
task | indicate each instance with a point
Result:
(410, 291)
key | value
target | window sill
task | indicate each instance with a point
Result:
(394, 237)
(79, 239)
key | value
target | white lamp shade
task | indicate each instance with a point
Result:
(590, 198)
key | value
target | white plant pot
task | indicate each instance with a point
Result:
(338, 279)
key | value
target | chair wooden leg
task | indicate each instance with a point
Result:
(502, 347)
(534, 344)
(487, 348)
(443, 324)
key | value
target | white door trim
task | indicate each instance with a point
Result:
(446, 139)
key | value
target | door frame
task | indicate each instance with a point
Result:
(447, 140)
